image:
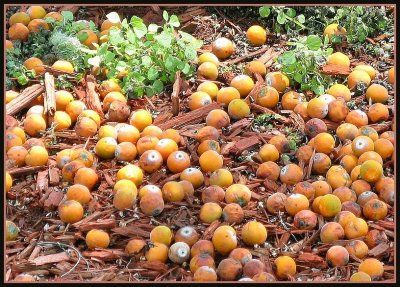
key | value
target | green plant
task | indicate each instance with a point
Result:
(150, 55)
(286, 19)
(302, 63)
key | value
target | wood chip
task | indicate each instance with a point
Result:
(92, 99)
(52, 258)
(176, 89)
(24, 99)
(335, 70)
(49, 96)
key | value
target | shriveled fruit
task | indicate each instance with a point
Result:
(229, 269)
(224, 239)
(70, 211)
(12, 231)
(254, 232)
(268, 170)
(200, 260)
(337, 256)
(202, 247)
(253, 267)
(238, 193)
(242, 255)
(146, 143)
(276, 202)
(205, 273)
(357, 248)
(111, 97)
(179, 252)
(344, 217)
(233, 213)
(352, 206)
(314, 127)
(378, 112)
(375, 237)
(338, 110)
(347, 131)
(218, 118)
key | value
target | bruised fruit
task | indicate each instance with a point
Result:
(345, 194)
(314, 127)
(337, 110)
(344, 217)
(375, 237)
(229, 269)
(277, 80)
(198, 100)
(321, 188)
(205, 273)
(375, 210)
(356, 227)
(148, 189)
(188, 235)
(371, 171)
(85, 127)
(223, 48)
(357, 248)
(193, 175)
(12, 231)
(202, 247)
(378, 112)
(317, 108)
(179, 252)
(146, 143)
(253, 267)
(290, 100)
(218, 119)
(125, 151)
(291, 174)
(347, 131)
(70, 211)
(357, 77)
(331, 231)
(207, 133)
(178, 161)
(238, 109)
(224, 239)
(152, 204)
(200, 260)
(151, 161)
(357, 118)
(337, 256)
(238, 193)
(304, 188)
(337, 176)
(242, 255)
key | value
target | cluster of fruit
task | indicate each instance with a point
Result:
(344, 196)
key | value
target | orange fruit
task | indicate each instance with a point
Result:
(356, 77)
(34, 64)
(63, 66)
(36, 12)
(208, 57)
(367, 68)
(210, 88)
(338, 58)
(208, 71)
(339, 91)
(277, 80)
(97, 238)
(70, 211)
(223, 48)
(256, 35)
(19, 17)
(18, 31)
(35, 25)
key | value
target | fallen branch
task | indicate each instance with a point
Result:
(24, 99)
(50, 96)
(242, 58)
(92, 100)
(175, 93)
(264, 110)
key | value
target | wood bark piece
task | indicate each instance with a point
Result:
(176, 89)
(50, 96)
(25, 170)
(192, 117)
(52, 258)
(189, 15)
(244, 144)
(269, 55)
(92, 99)
(264, 110)
(105, 254)
(242, 58)
(131, 231)
(24, 99)
(100, 224)
(335, 70)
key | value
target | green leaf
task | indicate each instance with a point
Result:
(153, 28)
(158, 86)
(190, 53)
(174, 21)
(264, 11)
(298, 77)
(186, 69)
(82, 36)
(116, 37)
(139, 27)
(281, 18)
(164, 39)
(301, 19)
(130, 35)
(152, 74)
(291, 12)
(165, 15)
(146, 61)
(171, 63)
(130, 49)
(287, 58)
(68, 15)
(313, 42)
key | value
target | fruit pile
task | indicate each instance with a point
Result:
(337, 183)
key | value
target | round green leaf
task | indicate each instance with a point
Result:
(281, 18)
(264, 11)
(313, 42)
